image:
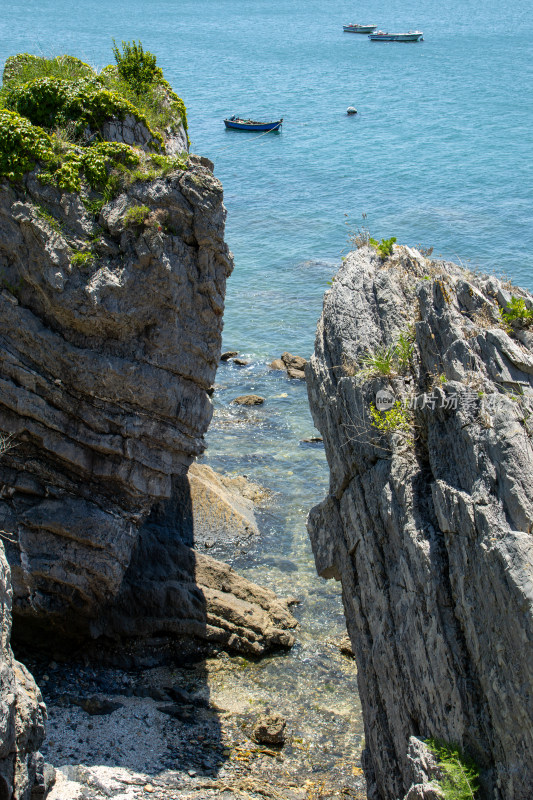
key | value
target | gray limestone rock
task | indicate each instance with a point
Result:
(428, 521)
(22, 712)
(106, 366)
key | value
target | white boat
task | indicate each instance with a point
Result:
(359, 28)
(410, 36)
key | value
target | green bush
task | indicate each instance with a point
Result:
(136, 216)
(46, 106)
(461, 775)
(381, 362)
(80, 259)
(395, 420)
(384, 248)
(53, 102)
(21, 145)
(516, 310)
(136, 66)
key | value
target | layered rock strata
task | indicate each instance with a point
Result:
(429, 514)
(110, 333)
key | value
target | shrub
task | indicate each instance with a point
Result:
(136, 216)
(461, 775)
(395, 420)
(53, 102)
(80, 259)
(384, 248)
(21, 145)
(137, 67)
(516, 310)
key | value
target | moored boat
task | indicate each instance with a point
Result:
(359, 28)
(252, 125)
(410, 36)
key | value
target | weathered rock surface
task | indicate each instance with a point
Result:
(22, 712)
(428, 526)
(249, 400)
(425, 772)
(295, 365)
(106, 364)
(270, 729)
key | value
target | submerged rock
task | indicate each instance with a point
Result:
(249, 400)
(270, 729)
(429, 516)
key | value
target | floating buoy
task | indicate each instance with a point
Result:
(351, 110)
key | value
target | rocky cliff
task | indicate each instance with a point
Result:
(22, 712)
(422, 386)
(113, 268)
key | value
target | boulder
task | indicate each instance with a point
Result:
(249, 400)
(270, 729)
(295, 365)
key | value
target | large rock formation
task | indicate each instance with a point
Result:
(22, 712)
(110, 331)
(429, 514)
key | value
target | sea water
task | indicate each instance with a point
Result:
(438, 154)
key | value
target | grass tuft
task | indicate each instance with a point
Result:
(460, 774)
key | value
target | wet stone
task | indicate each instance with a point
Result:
(249, 400)
(270, 729)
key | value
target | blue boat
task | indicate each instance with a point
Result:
(252, 125)
(410, 36)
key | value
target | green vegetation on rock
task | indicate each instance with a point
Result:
(136, 216)
(517, 311)
(137, 67)
(384, 248)
(52, 112)
(395, 420)
(460, 779)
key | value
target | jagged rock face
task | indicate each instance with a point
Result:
(104, 372)
(428, 525)
(22, 712)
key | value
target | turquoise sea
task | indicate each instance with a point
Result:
(439, 153)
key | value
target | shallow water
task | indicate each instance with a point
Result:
(439, 154)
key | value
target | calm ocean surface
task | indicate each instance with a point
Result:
(440, 153)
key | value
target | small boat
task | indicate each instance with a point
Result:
(351, 110)
(252, 125)
(410, 36)
(359, 28)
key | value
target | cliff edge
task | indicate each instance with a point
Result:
(422, 387)
(113, 269)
